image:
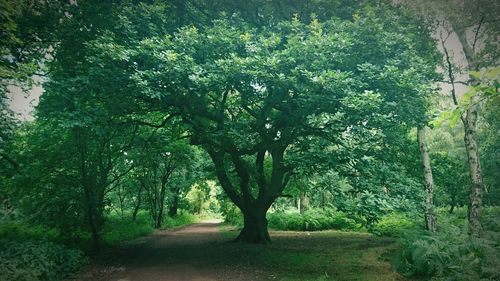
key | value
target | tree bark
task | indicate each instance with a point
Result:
(161, 205)
(469, 121)
(430, 217)
(255, 226)
(138, 204)
(303, 202)
(253, 208)
(476, 192)
(174, 205)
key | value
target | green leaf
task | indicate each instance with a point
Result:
(454, 117)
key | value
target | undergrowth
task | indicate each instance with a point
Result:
(37, 260)
(450, 253)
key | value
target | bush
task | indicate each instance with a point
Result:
(19, 230)
(314, 219)
(449, 254)
(117, 230)
(37, 260)
(232, 215)
(179, 220)
(393, 225)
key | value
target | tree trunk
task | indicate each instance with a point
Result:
(253, 208)
(255, 226)
(93, 218)
(161, 203)
(430, 217)
(469, 121)
(138, 204)
(172, 210)
(304, 202)
(476, 193)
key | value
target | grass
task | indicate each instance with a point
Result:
(322, 255)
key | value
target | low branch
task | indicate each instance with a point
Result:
(454, 82)
(11, 161)
(153, 125)
(476, 35)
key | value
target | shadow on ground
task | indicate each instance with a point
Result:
(202, 252)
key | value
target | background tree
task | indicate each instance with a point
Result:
(475, 25)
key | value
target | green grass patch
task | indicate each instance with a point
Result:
(321, 255)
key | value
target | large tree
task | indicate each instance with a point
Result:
(251, 96)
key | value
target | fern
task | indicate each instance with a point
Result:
(449, 254)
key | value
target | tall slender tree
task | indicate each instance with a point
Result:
(475, 24)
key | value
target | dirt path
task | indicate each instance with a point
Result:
(182, 254)
(201, 252)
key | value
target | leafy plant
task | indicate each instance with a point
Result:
(393, 225)
(314, 219)
(37, 260)
(179, 220)
(449, 254)
(19, 230)
(117, 230)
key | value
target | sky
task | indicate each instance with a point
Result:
(23, 103)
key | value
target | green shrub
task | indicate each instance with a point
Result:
(179, 220)
(393, 225)
(117, 230)
(37, 260)
(314, 219)
(232, 215)
(449, 254)
(19, 230)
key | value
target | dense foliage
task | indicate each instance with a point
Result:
(451, 254)
(293, 115)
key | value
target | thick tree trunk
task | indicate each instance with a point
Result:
(94, 219)
(255, 226)
(430, 217)
(254, 208)
(476, 193)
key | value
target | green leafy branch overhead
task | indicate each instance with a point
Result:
(486, 90)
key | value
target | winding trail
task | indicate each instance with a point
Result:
(188, 253)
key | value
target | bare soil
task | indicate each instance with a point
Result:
(188, 253)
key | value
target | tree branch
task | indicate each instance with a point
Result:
(153, 125)
(476, 35)
(11, 161)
